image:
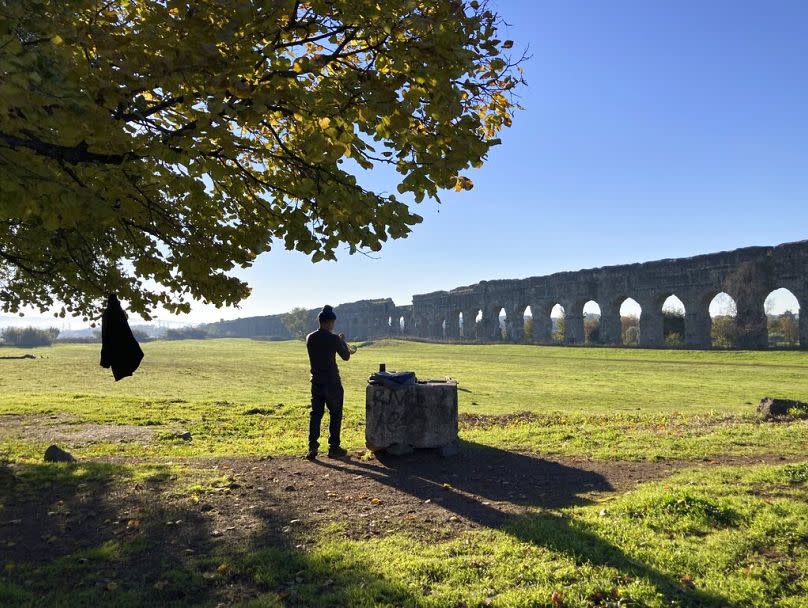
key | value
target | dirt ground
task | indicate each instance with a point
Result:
(284, 499)
(61, 428)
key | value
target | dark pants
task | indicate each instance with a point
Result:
(323, 395)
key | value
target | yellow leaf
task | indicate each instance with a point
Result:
(57, 40)
(324, 122)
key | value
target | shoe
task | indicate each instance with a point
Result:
(311, 455)
(337, 452)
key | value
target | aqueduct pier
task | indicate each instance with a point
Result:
(748, 275)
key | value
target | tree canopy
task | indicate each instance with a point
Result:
(296, 321)
(149, 148)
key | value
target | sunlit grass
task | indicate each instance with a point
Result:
(251, 397)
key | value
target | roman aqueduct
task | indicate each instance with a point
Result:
(747, 275)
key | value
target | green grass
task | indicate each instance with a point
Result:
(251, 397)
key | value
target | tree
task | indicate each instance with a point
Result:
(150, 148)
(591, 329)
(140, 335)
(791, 327)
(630, 330)
(559, 329)
(296, 322)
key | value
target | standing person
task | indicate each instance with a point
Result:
(326, 388)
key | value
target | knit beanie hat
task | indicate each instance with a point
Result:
(327, 314)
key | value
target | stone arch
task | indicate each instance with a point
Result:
(630, 321)
(402, 325)
(782, 309)
(674, 324)
(591, 313)
(723, 310)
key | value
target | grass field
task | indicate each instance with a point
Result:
(620, 403)
(589, 477)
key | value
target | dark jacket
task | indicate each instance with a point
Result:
(323, 346)
(119, 349)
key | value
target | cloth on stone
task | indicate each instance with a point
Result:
(119, 349)
(393, 379)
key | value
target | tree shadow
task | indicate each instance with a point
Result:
(475, 484)
(481, 483)
(95, 534)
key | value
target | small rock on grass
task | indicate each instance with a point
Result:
(56, 454)
(772, 408)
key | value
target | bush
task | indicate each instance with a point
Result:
(29, 337)
(724, 331)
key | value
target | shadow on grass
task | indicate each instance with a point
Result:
(481, 472)
(98, 534)
(483, 475)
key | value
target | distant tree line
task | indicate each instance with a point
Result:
(29, 337)
(187, 333)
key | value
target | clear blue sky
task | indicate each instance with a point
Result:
(650, 130)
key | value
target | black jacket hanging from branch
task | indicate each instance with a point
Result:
(119, 349)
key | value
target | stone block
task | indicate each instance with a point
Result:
(422, 415)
